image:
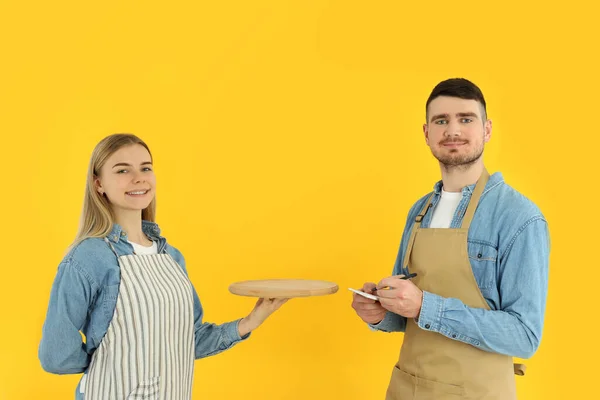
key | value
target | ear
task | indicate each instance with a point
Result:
(98, 185)
(426, 132)
(488, 131)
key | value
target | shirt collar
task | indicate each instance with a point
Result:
(149, 228)
(494, 180)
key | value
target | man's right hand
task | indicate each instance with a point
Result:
(368, 310)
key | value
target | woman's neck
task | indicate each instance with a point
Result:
(131, 222)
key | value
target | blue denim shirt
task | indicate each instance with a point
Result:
(84, 296)
(508, 247)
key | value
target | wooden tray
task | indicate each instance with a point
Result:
(283, 288)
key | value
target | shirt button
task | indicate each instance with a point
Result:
(115, 238)
(122, 233)
(427, 326)
(479, 255)
(454, 336)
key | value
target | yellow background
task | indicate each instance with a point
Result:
(287, 141)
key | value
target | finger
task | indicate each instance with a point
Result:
(389, 281)
(389, 293)
(370, 313)
(281, 302)
(392, 282)
(369, 307)
(363, 300)
(387, 305)
(368, 287)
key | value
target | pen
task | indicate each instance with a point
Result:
(404, 277)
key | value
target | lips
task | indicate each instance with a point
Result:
(137, 192)
(453, 144)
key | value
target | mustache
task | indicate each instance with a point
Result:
(446, 141)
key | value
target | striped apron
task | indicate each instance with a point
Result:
(148, 350)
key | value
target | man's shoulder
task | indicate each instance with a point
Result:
(512, 202)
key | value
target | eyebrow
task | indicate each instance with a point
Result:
(460, 115)
(129, 165)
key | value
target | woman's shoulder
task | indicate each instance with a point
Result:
(92, 257)
(176, 254)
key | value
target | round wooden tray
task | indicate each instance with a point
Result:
(283, 288)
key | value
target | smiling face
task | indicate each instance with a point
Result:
(127, 179)
(456, 131)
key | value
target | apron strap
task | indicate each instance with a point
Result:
(416, 225)
(481, 182)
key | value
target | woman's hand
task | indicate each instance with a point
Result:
(262, 310)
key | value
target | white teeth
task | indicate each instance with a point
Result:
(141, 192)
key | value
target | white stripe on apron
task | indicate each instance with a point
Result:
(148, 350)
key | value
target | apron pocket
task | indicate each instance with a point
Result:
(147, 390)
(422, 388)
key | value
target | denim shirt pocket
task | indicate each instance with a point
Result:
(109, 303)
(483, 258)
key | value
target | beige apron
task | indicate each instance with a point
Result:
(433, 366)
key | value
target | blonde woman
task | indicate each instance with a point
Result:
(127, 290)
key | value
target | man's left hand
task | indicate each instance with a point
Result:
(402, 296)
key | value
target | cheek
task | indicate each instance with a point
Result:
(435, 135)
(475, 135)
(120, 183)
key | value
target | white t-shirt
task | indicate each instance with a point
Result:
(445, 209)
(139, 249)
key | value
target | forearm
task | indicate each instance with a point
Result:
(211, 339)
(495, 331)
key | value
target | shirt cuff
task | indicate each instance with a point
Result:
(385, 325)
(431, 312)
(231, 333)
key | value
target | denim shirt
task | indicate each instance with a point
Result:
(508, 246)
(84, 296)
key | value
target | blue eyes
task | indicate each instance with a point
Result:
(445, 122)
(145, 169)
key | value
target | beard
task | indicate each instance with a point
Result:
(456, 160)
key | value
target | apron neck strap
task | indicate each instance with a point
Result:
(416, 225)
(481, 182)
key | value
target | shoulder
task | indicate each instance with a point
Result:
(510, 204)
(508, 213)
(93, 258)
(176, 254)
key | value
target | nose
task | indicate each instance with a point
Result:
(452, 129)
(138, 177)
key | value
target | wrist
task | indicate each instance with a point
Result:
(418, 313)
(246, 325)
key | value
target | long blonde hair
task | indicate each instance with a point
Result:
(97, 217)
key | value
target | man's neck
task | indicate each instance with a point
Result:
(456, 178)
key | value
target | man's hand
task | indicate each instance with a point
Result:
(402, 296)
(370, 311)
